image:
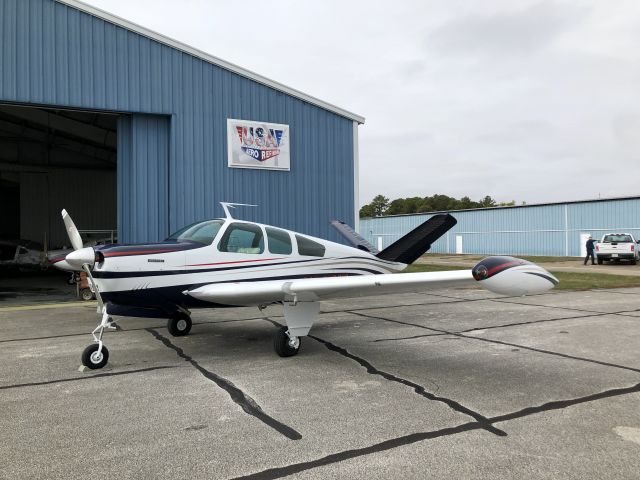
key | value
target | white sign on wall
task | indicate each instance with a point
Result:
(258, 145)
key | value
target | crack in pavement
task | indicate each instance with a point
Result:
(280, 472)
(499, 342)
(87, 377)
(248, 404)
(418, 389)
(492, 327)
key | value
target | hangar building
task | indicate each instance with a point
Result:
(555, 229)
(130, 131)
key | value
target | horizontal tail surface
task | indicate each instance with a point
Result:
(418, 241)
(353, 237)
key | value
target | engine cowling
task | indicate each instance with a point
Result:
(513, 276)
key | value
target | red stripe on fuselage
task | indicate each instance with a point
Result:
(229, 263)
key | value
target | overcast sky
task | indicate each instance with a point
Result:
(528, 101)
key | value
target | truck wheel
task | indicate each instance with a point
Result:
(599, 261)
(633, 262)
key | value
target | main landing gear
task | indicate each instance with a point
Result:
(180, 324)
(285, 344)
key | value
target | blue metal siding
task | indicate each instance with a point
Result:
(532, 230)
(55, 55)
(145, 180)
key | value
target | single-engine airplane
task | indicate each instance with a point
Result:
(229, 263)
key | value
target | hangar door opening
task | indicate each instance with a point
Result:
(52, 159)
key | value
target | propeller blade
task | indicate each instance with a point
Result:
(72, 231)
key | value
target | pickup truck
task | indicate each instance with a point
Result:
(617, 246)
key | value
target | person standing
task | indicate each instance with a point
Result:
(590, 248)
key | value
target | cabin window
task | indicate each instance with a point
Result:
(309, 247)
(279, 241)
(242, 238)
(201, 232)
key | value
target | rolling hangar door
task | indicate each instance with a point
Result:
(52, 159)
(108, 170)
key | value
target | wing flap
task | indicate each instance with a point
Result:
(314, 289)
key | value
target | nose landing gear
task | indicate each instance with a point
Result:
(96, 356)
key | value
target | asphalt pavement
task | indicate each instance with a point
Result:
(456, 383)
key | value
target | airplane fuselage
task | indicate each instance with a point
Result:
(149, 280)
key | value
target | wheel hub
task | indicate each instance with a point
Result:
(96, 357)
(181, 325)
(294, 343)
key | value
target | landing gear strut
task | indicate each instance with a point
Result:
(285, 344)
(179, 325)
(96, 355)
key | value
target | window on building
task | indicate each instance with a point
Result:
(242, 238)
(309, 247)
(279, 241)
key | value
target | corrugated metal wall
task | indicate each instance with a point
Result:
(143, 176)
(529, 230)
(55, 55)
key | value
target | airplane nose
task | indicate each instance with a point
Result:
(80, 257)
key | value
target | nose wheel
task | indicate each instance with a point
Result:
(284, 344)
(95, 357)
(179, 325)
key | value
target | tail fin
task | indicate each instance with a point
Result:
(416, 242)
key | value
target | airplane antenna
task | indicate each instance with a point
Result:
(227, 205)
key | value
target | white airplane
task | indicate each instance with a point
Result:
(229, 263)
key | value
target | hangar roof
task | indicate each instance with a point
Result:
(121, 22)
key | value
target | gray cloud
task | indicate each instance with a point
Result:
(525, 30)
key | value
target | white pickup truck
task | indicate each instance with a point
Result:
(617, 246)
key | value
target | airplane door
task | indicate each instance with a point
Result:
(458, 244)
(584, 236)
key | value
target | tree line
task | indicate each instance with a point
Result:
(380, 205)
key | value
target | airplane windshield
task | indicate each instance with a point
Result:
(201, 232)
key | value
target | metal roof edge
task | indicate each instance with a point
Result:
(505, 207)
(158, 37)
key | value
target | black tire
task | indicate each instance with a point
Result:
(86, 294)
(633, 262)
(600, 261)
(283, 346)
(179, 325)
(92, 361)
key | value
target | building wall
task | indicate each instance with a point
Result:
(55, 55)
(529, 230)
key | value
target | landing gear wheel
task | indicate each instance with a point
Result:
(284, 345)
(94, 360)
(86, 294)
(180, 325)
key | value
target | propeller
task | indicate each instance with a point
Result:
(81, 257)
(72, 231)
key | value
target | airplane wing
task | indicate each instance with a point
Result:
(314, 289)
(502, 275)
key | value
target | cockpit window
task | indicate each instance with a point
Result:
(279, 241)
(309, 247)
(242, 238)
(201, 232)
